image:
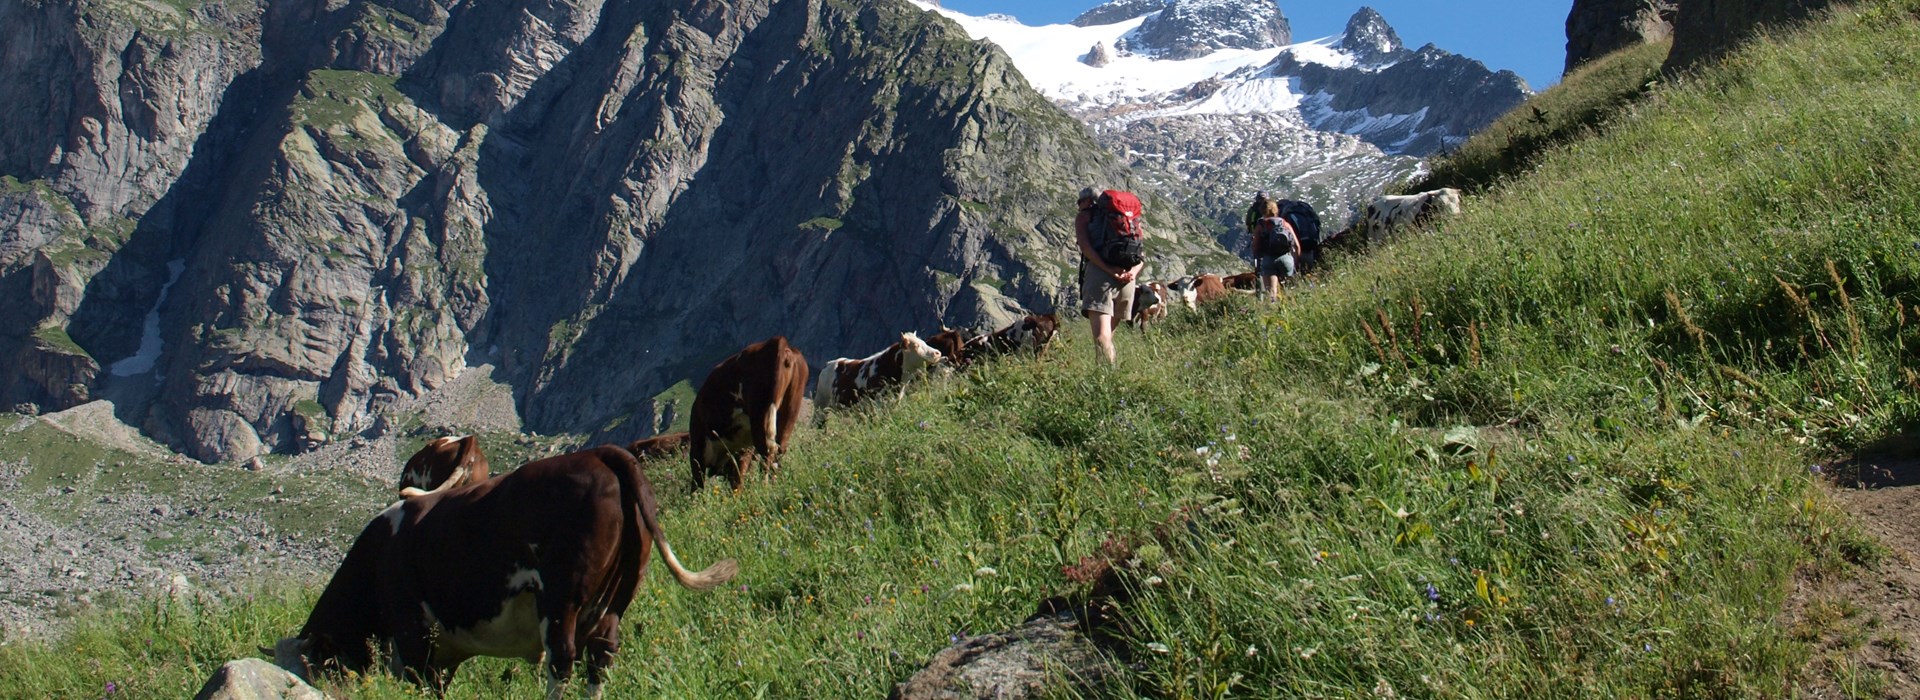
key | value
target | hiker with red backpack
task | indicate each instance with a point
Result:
(1274, 245)
(1111, 237)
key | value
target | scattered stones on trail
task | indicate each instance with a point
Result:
(256, 679)
(1025, 662)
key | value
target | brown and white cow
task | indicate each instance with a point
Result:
(659, 445)
(540, 561)
(1150, 304)
(846, 381)
(1388, 213)
(443, 463)
(1244, 280)
(1194, 291)
(959, 347)
(1033, 333)
(746, 408)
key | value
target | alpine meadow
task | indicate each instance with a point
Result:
(1574, 442)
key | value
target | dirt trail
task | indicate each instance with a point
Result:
(1874, 638)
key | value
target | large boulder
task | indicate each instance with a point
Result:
(1596, 28)
(1028, 661)
(1703, 29)
(256, 679)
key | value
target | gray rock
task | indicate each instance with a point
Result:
(1029, 661)
(1704, 29)
(1118, 11)
(1193, 28)
(255, 679)
(1596, 28)
(1098, 56)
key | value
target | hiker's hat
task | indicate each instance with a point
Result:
(1088, 193)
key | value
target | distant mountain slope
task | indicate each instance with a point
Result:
(1369, 107)
(347, 205)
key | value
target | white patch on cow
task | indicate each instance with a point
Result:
(517, 632)
(395, 514)
(823, 392)
(593, 690)
(522, 580)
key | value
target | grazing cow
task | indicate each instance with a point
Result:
(846, 381)
(1194, 291)
(659, 445)
(1149, 304)
(1388, 213)
(1244, 280)
(543, 560)
(957, 346)
(1033, 333)
(747, 406)
(442, 464)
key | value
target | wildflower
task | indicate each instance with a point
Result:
(1252, 651)
(1433, 593)
(112, 687)
(1814, 468)
(963, 588)
(1157, 648)
(860, 635)
(1155, 581)
(1307, 653)
(953, 639)
(1202, 450)
(985, 571)
(1569, 459)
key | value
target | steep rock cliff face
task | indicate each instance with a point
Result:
(102, 108)
(1703, 29)
(1596, 28)
(344, 205)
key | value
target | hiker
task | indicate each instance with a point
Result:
(1110, 234)
(1260, 209)
(1306, 232)
(1274, 246)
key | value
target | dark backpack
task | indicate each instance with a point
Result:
(1118, 234)
(1273, 238)
(1306, 222)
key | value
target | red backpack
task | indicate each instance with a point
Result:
(1119, 234)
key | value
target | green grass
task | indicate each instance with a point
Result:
(1558, 448)
(1580, 106)
(56, 337)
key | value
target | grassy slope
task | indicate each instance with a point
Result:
(1656, 331)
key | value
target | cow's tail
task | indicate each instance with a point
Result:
(636, 495)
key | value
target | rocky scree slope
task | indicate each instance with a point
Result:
(346, 204)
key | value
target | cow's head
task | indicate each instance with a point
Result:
(444, 463)
(1187, 289)
(1041, 329)
(1441, 202)
(916, 355)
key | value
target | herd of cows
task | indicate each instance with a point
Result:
(544, 560)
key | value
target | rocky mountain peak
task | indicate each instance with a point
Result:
(1371, 40)
(1118, 11)
(1186, 29)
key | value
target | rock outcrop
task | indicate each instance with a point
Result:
(1596, 28)
(1703, 29)
(1118, 11)
(255, 679)
(1186, 29)
(338, 207)
(1030, 661)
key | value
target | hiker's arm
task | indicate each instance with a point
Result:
(1086, 247)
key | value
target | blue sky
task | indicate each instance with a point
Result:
(1528, 37)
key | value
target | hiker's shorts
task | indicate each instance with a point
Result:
(1280, 266)
(1102, 294)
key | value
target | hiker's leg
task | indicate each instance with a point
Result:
(1102, 335)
